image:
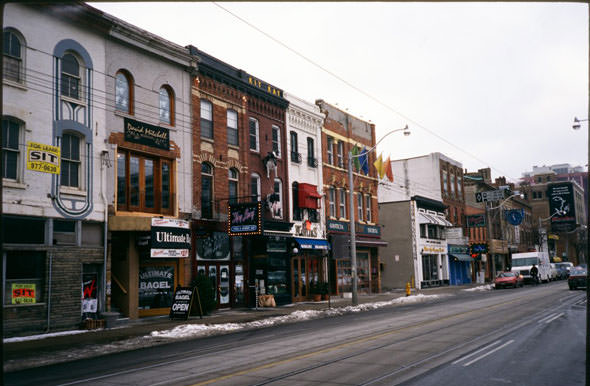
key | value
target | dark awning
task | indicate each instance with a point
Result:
(462, 257)
(368, 242)
(308, 196)
(312, 243)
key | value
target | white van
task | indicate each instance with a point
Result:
(522, 263)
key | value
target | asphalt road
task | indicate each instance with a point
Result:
(527, 336)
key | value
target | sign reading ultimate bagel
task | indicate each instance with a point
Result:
(146, 134)
(170, 238)
(245, 219)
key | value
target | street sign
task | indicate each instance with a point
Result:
(490, 195)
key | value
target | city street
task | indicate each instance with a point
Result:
(527, 336)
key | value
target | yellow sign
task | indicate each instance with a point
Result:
(553, 237)
(23, 293)
(43, 158)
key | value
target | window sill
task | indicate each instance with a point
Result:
(207, 139)
(234, 147)
(123, 114)
(12, 83)
(72, 191)
(73, 100)
(24, 305)
(13, 184)
(167, 125)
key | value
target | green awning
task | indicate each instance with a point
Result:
(461, 257)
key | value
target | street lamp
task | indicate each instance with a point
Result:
(576, 126)
(352, 211)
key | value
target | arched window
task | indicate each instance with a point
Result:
(233, 186)
(13, 57)
(255, 187)
(70, 160)
(124, 92)
(70, 77)
(167, 105)
(206, 190)
(11, 129)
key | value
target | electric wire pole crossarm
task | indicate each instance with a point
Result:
(352, 211)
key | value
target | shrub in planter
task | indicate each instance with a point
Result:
(206, 293)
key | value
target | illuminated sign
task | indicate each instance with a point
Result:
(43, 158)
(245, 219)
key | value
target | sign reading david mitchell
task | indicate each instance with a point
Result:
(170, 238)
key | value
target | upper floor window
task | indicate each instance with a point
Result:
(206, 190)
(297, 211)
(144, 183)
(311, 161)
(11, 129)
(166, 104)
(70, 77)
(276, 140)
(452, 185)
(254, 129)
(255, 187)
(330, 150)
(12, 57)
(232, 128)
(124, 92)
(332, 202)
(70, 160)
(340, 154)
(445, 182)
(342, 203)
(276, 204)
(359, 202)
(368, 217)
(206, 119)
(295, 156)
(459, 187)
(233, 186)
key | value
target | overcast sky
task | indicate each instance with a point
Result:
(487, 84)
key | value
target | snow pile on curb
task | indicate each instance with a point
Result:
(43, 336)
(486, 287)
(193, 330)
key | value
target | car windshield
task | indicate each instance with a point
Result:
(578, 272)
(525, 261)
(505, 274)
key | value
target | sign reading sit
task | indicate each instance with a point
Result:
(43, 158)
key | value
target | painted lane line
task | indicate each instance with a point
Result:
(489, 352)
(546, 317)
(476, 352)
(553, 318)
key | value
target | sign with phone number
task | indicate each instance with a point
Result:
(43, 158)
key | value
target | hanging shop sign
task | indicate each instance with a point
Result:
(43, 158)
(476, 221)
(24, 293)
(146, 134)
(514, 216)
(479, 248)
(170, 238)
(562, 207)
(156, 286)
(245, 219)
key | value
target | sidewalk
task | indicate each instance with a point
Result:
(57, 347)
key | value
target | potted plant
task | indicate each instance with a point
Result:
(315, 291)
(324, 290)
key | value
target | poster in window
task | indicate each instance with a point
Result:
(156, 286)
(214, 247)
(23, 293)
(89, 293)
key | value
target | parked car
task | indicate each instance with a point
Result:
(554, 274)
(563, 269)
(577, 278)
(508, 279)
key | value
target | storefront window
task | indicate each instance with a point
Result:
(156, 286)
(215, 247)
(24, 277)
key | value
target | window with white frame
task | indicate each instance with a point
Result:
(11, 129)
(255, 187)
(276, 140)
(166, 102)
(359, 203)
(253, 127)
(277, 199)
(459, 187)
(70, 160)
(332, 201)
(340, 154)
(13, 57)
(368, 217)
(70, 77)
(233, 186)
(342, 203)
(206, 119)
(232, 128)
(295, 156)
(206, 190)
(445, 182)
(330, 150)
(452, 185)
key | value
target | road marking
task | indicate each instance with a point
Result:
(488, 353)
(546, 317)
(553, 318)
(476, 352)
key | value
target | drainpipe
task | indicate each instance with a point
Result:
(105, 162)
(49, 291)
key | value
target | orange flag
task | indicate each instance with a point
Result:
(388, 171)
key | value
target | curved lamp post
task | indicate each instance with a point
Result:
(576, 126)
(352, 211)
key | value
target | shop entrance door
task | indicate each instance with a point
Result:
(304, 270)
(220, 277)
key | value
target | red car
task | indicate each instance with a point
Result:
(577, 278)
(508, 279)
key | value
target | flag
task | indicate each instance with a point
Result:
(355, 158)
(364, 158)
(379, 166)
(388, 170)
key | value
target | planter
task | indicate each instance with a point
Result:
(325, 296)
(316, 297)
